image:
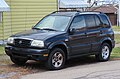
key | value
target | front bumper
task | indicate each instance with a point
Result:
(27, 53)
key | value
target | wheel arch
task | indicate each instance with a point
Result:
(60, 45)
(107, 40)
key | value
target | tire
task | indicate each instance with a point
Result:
(56, 59)
(17, 61)
(104, 53)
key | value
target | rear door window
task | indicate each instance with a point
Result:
(90, 20)
(97, 20)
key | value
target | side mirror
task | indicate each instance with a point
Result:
(72, 30)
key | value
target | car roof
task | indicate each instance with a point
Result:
(72, 13)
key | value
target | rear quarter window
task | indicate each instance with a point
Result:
(104, 19)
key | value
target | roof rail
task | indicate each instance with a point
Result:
(66, 11)
(76, 11)
(94, 11)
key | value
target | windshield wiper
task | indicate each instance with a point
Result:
(45, 29)
(37, 28)
(49, 29)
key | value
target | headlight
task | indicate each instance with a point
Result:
(10, 40)
(37, 43)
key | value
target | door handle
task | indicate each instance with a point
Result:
(86, 34)
(101, 32)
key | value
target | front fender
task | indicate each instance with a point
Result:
(56, 43)
(59, 43)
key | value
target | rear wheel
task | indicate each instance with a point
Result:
(104, 53)
(56, 59)
(18, 61)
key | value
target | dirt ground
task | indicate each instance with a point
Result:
(8, 70)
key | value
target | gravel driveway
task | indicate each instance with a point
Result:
(79, 68)
(82, 69)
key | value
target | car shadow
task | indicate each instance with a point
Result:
(40, 66)
(32, 66)
(85, 60)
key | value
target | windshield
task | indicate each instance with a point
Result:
(58, 23)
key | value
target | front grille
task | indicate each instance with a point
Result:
(22, 42)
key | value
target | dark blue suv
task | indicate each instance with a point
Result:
(63, 35)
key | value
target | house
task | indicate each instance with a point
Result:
(109, 10)
(3, 8)
(24, 14)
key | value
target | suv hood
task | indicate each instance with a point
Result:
(37, 34)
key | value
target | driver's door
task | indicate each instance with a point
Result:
(78, 40)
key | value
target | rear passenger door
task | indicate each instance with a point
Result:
(93, 30)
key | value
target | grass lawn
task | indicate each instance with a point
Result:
(117, 38)
(116, 28)
(116, 52)
(1, 50)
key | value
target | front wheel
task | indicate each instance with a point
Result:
(104, 53)
(56, 59)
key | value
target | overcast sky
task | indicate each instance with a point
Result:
(108, 1)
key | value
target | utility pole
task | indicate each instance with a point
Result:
(58, 4)
(119, 14)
